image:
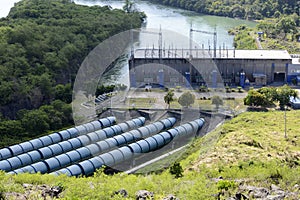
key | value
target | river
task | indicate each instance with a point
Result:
(179, 20)
(173, 20)
(167, 18)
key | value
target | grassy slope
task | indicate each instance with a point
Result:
(254, 136)
(250, 148)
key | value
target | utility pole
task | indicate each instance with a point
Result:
(160, 40)
(285, 135)
(205, 32)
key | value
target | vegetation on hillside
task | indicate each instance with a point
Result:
(278, 33)
(42, 44)
(280, 20)
(244, 9)
(248, 150)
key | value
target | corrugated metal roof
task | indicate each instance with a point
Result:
(221, 54)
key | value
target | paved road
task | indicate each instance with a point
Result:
(258, 43)
(154, 160)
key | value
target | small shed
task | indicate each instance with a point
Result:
(260, 34)
(260, 79)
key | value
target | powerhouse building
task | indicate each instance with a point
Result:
(183, 67)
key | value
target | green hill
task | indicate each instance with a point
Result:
(42, 45)
(247, 156)
(245, 9)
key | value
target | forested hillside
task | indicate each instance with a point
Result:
(42, 44)
(245, 9)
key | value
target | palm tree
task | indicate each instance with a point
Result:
(169, 97)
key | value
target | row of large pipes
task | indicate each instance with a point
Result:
(86, 152)
(152, 143)
(54, 138)
(68, 145)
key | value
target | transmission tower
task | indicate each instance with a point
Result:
(205, 32)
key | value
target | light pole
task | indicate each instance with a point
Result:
(285, 136)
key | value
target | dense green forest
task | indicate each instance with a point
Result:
(278, 33)
(42, 44)
(244, 9)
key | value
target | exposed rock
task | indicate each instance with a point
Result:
(274, 187)
(240, 196)
(144, 195)
(217, 179)
(274, 193)
(275, 197)
(256, 192)
(15, 195)
(292, 195)
(40, 191)
(170, 197)
(53, 192)
(27, 186)
(121, 192)
(277, 190)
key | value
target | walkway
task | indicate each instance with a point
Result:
(258, 44)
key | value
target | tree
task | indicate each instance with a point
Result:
(283, 95)
(238, 11)
(217, 100)
(64, 92)
(254, 98)
(11, 128)
(35, 122)
(169, 97)
(287, 25)
(186, 99)
(267, 95)
(269, 92)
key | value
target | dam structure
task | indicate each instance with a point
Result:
(215, 66)
(196, 67)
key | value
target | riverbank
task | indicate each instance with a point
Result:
(245, 10)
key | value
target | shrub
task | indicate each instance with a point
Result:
(225, 185)
(203, 88)
(176, 170)
(227, 89)
(240, 89)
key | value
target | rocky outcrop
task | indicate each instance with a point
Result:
(170, 197)
(144, 195)
(39, 191)
(272, 193)
(121, 192)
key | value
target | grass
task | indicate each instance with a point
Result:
(163, 163)
(199, 103)
(140, 102)
(249, 149)
(255, 136)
